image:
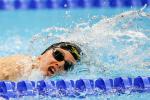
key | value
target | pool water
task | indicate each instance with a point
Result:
(96, 30)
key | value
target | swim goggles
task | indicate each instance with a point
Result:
(59, 56)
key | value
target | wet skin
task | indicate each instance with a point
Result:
(50, 66)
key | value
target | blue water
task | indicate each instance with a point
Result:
(26, 23)
(18, 29)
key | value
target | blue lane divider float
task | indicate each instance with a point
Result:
(70, 88)
(49, 4)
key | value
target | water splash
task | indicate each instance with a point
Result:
(117, 46)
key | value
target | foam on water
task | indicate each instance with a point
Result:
(117, 46)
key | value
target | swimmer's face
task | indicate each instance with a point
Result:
(55, 61)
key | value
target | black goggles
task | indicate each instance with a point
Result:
(59, 56)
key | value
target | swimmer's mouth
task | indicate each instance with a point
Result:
(51, 70)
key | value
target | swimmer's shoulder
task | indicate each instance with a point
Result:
(14, 58)
(14, 61)
(11, 66)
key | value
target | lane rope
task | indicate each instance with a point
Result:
(73, 88)
(52, 4)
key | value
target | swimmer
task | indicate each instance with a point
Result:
(55, 59)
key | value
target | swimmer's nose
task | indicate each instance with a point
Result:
(57, 66)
